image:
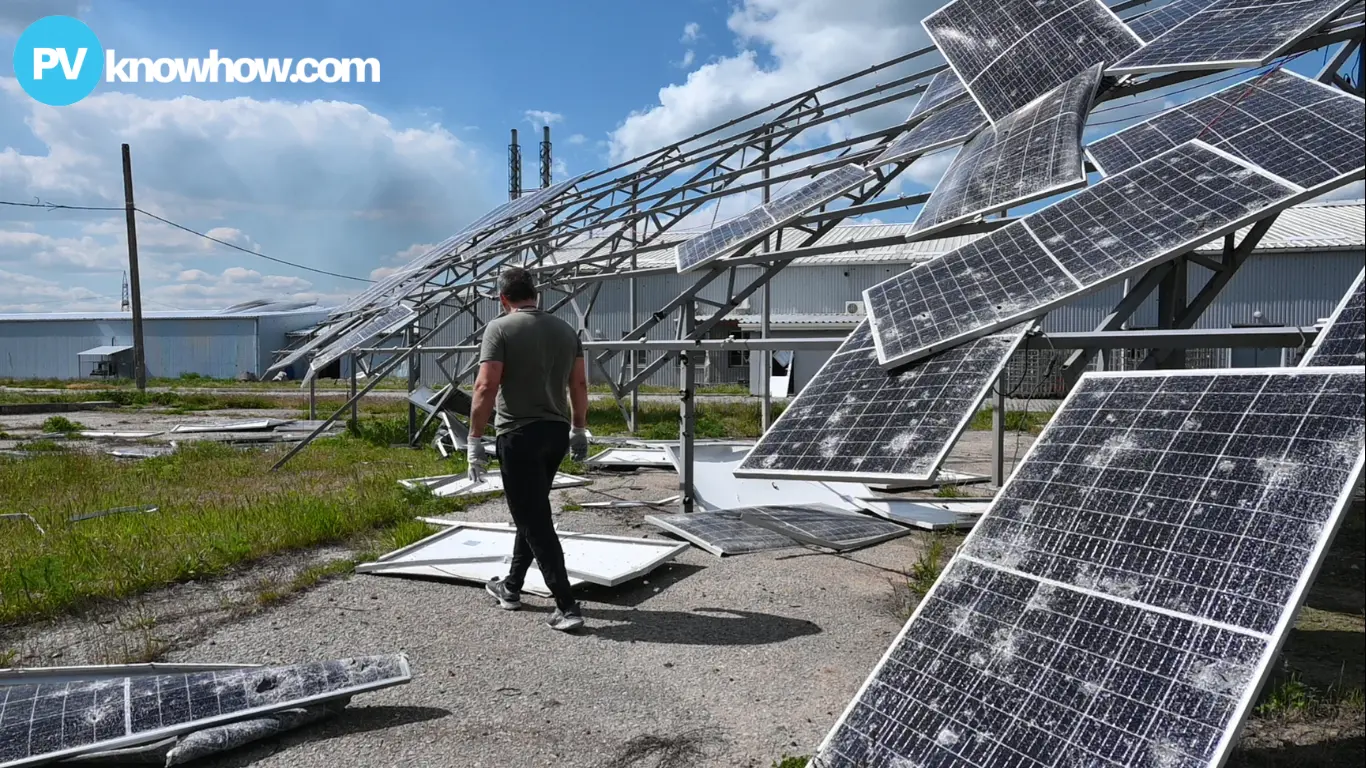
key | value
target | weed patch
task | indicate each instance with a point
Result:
(62, 425)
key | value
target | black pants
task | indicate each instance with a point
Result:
(528, 458)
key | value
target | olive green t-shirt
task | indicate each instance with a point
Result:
(537, 351)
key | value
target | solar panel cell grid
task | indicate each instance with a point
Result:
(854, 421)
(699, 250)
(1009, 52)
(1149, 26)
(1231, 33)
(722, 532)
(983, 283)
(946, 127)
(943, 88)
(1122, 598)
(1118, 227)
(1187, 196)
(823, 526)
(1343, 340)
(1030, 154)
(1299, 129)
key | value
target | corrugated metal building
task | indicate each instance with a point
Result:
(1300, 270)
(218, 345)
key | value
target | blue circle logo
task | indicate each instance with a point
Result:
(58, 60)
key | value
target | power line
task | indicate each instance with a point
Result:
(58, 207)
(253, 253)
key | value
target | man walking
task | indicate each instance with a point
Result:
(531, 368)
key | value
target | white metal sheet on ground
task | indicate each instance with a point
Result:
(927, 515)
(631, 457)
(460, 485)
(715, 485)
(96, 434)
(232, 426)
(487, 550)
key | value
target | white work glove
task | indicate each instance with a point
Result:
(477, 458)
(578, 443)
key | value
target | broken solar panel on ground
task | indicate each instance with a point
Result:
(856, 422)
(1031, 153)
(722, 532)
(820, 525)
(1125, 224)
(43, 722)
(1010, 52)
(1129, 588)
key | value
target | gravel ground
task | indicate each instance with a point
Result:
(726, 662)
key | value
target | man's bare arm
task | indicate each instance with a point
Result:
(578, 393)
(485, 396)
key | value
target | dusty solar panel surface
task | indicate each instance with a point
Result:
(824, 526)
(1149, 26)
(699, 250)
(40, 722)
(953, 124)
(722, 532)
(1032, 153)
(1231, 33)
(357, 336)
(856, 422)
(1304, 131)
(1126, 223)
(1343, 339)
(1131, 584)
(1009, 52)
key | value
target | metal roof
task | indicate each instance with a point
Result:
(212, 314)
(1332, 225)
(809, 320)
(105, 351)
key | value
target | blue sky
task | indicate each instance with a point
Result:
(358, 178)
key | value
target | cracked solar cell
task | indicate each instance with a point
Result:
(947, 127)
(1152, 25)
(1126, 592)
(856, 422)
(1009, 52)
(1132, 221)
(1343, 340)
(1031, 154)
(1231, 33)
(1299, 129)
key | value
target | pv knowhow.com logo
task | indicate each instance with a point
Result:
(58, 61)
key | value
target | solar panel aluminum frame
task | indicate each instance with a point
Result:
(151, 736)
(893, 480)
(1300, 196)
(1057, 189)
(1276, 641)
(1308, 360)
(1247, 83)
(1118, 69)
(864, 176)
(966, 82)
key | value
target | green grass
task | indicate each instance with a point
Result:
(949, 492)
(1289, 698)
(926, 569)
(659, 421)
(787, 761)
(187, 381)
(42, 446)
(62, 425)
(219, 508)
(1016, 421)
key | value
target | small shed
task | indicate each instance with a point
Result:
(107, 362)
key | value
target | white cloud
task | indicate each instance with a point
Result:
(540, 117)
(15, 15)
(689, 56)
(197, 289)
(807, 41)
(24, 293)
(691, 31)
(577, 139)
(396, 260)
(328, 184)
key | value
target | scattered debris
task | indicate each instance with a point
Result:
(23, 516)
(462, 485)
(114, 511)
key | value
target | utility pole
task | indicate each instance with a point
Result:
(545, 156)
(135, 285)
(514, 168)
